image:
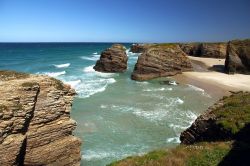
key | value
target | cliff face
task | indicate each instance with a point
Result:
(208, 50)
(223, 121)
(238, 56)
(113, 59)
(161, 61)
(35, 124)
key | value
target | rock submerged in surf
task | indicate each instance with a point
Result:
(112, 60)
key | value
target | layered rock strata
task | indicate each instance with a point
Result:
(161, 61)
(35, 123)
(113, 60)
(208, 50)
(238, 57)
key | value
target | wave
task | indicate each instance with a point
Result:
(53, 74)
(73, 84)
(89, 69)
(93, 57)
(195, 88)
(158, 89)
(174, 140)
(62, 65)
(95, 53)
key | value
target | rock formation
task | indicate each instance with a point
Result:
(139, 48)
(160, 61)
(238, 56)
(208, 50)
(112, 60)
(35, 124)
(223, 121)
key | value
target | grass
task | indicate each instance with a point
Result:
(207, 154)
(6, 75)
(235, 113)
(30, 84)
(58, 84)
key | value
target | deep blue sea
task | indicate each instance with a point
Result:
(116, 117)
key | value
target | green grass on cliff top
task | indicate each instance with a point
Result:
(235, 113)
(202, 154)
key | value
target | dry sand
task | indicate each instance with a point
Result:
(215, 82)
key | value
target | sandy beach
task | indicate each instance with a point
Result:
(208, 74)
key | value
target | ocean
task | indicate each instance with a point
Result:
(116, 116)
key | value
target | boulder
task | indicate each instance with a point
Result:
(112, 60)
(238, 57)
(35, 123)
(160, 61)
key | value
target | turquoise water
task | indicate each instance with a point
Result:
(116, 117)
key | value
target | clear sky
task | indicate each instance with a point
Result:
(123, 20)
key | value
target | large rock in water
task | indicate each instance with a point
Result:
(161, 61)
(35, 123)
(112, 60)
(207, 50)
(238, 57)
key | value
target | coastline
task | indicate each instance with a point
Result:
(208, 74)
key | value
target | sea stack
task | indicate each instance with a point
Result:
(35, 123)
(238, 57)
(112, 60)
(160, 61)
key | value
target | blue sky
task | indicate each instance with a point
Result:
(123, 20)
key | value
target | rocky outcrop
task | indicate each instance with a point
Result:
(160, 61)
(225, 120)
(35, 124)
(139, 48)
(112, 60)
(238, 57)
(208, 50)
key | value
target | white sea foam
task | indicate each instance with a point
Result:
(95, 53)
(89, 69)
(157, 89)
(106, 75)
(93, 57)
(90, 155)
(179, 101)
(173, 140)
(54, 74)
(73, 84)
(172, 83)
(62, 65)
(199, 90)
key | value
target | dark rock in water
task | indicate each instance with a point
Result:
(208, 50)
(35, 123)
(161, 61)
(112, 60)
(238, 57)
(225, 120)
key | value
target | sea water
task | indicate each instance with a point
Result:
(116, 116)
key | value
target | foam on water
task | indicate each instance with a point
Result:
(94, 57)
(62, 65)
(157, 89)
(174, 140)
(53, 74)
(89, 69)
(73, 84)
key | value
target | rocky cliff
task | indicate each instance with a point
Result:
(139, 48)
(223, 121)
(208, 50)
(35, 124)
(160, 61)
(238, 56)
(113, 60)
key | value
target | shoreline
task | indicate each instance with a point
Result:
(208, 74)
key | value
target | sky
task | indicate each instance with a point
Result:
(124, 20)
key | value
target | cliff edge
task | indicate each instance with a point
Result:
(35, 123)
